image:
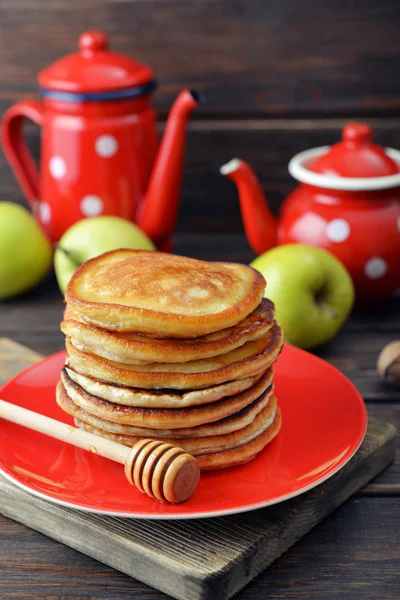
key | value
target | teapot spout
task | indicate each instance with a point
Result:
(158, 212)
(259, 223)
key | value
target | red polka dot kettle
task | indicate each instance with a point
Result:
(348, 202)
(99, 150)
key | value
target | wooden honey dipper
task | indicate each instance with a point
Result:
(157, 469)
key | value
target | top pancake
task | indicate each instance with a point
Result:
(163, 294)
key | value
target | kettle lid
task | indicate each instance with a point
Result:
(95, 69)
(354, 164)
(355, 156)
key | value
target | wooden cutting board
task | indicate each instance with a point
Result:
(208, 559)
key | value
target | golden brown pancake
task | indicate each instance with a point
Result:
(130, 396)
(169, 418)
(238, 420)
(203, 445)
(133, 348)
(163, 294)
(218, 459)
(248, 360)
(241, 454)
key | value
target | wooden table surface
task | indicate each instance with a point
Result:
(354, 554)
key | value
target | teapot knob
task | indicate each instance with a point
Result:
(93, 41)
(357, 133)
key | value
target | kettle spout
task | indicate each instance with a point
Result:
(259, 223)
(157, 215)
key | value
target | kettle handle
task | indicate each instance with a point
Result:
(16, 150)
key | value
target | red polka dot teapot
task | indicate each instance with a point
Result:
(99, 152)
(348, 202)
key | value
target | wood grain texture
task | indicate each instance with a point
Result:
(250, 57)
(202, 559)
(353, 554)
(14, 358)
(388, 482)
(209, 202)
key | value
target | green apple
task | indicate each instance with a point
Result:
(25, 252)
(312, 291)
(91, 237)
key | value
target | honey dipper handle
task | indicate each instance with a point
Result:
(62, 431)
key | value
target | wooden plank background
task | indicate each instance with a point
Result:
(250, 57)
(280, 76)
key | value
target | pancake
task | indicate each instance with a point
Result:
(203, 445)
(134, 348)
(241, 454)
(229, 424)
(169, 418)
(248, 360)
(216, 460)
(129, 396)
(163, 294)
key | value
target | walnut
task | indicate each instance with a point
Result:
(389, 363)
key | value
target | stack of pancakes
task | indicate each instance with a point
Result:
(171, 348)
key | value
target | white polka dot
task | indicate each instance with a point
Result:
(106, 145)
(44, 212)
(375, 268)
(338, 230)
(398, 223)
(91, 205)
(58, 167)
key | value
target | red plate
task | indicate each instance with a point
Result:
(324, 422)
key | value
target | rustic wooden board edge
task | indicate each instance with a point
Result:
(66, 526)
(299, 515)
(14, 358)
(135, 547)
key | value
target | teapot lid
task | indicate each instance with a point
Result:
(95, 69)
(353, 164)
(355, 156)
